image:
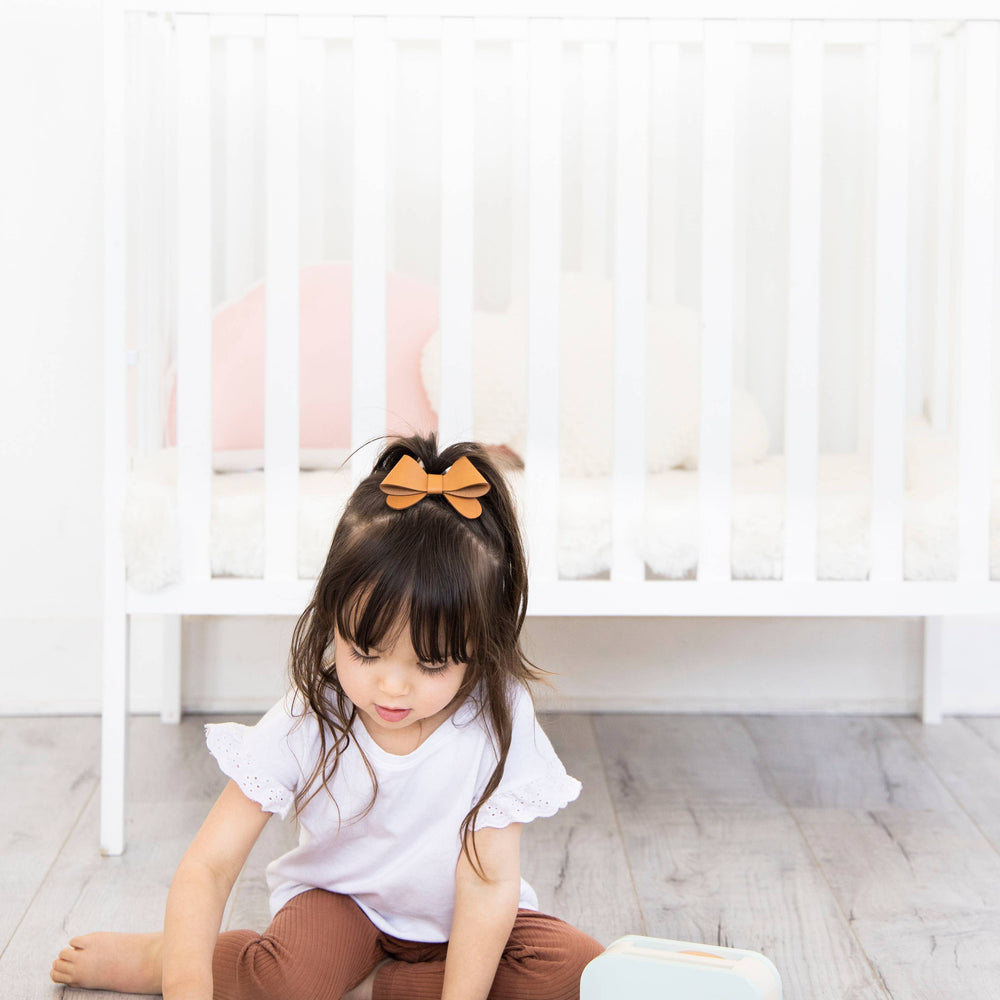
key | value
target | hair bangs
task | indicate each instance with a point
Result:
(372, 613)
(440, 587)
(446, 620)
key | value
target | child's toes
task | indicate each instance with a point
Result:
(61, 972)
(63, 968)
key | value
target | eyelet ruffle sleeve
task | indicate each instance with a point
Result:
(544, 796)
(534, 783)
(227, 744)
(266, 760)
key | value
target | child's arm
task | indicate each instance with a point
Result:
(484, 913)
(199, 891)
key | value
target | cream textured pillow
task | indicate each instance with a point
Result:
(586, 391)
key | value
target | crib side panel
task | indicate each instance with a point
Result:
(620, 230)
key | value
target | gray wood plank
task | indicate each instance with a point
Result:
(845, 762)
(683, 759)
(718, 858)
(965, 755)
(575, 860)
(170, 763)
(855, 852)
(48, 771)
(987, 728)
(170, 791)
(85, 892)
(922, 893)
(918, 881)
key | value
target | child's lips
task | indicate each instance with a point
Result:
(392, 714)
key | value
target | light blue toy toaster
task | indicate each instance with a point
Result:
(644, 968)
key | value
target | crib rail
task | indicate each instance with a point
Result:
(695, 10)
(724, 42)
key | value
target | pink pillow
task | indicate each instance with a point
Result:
(324, 361)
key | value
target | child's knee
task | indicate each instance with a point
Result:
(553, 954)
(261, 969)
(578, 951)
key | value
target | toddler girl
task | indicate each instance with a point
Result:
(408, 751)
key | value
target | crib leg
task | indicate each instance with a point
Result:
(114, 731)
(933, 684)
(170, 704)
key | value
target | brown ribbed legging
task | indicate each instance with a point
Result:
(321, 944)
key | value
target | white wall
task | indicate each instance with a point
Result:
(604, 664)
(50, 503)
(50, 330)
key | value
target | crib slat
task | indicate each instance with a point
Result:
(114, 649)
(860, 370)
(717, 297)
(889, 349)
(194, 301)
(544, 195)
(455, 420)
(664, 140)
(520, 114)
(596, 63)
(740, 72)
(631, 264)
(238, 197)
(940, 402)
(142, 52)
(313, 167)
(281, 389)
(802, 342)
(368, 351)
(975, 417)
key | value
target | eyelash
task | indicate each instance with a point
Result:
(430, 671)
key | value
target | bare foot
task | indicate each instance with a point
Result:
(126, 963)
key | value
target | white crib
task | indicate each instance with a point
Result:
(935, 304)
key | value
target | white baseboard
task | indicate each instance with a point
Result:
(236, 666)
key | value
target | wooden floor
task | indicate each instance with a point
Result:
(860, 854)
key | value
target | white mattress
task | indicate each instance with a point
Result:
(668, 542)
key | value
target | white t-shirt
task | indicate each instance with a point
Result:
(397, 861)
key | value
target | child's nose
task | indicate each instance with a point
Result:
(392, 680)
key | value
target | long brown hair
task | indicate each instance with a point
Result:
(462, 583)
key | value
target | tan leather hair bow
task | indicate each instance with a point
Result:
(407, 484)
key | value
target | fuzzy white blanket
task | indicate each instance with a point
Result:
(668, 541)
